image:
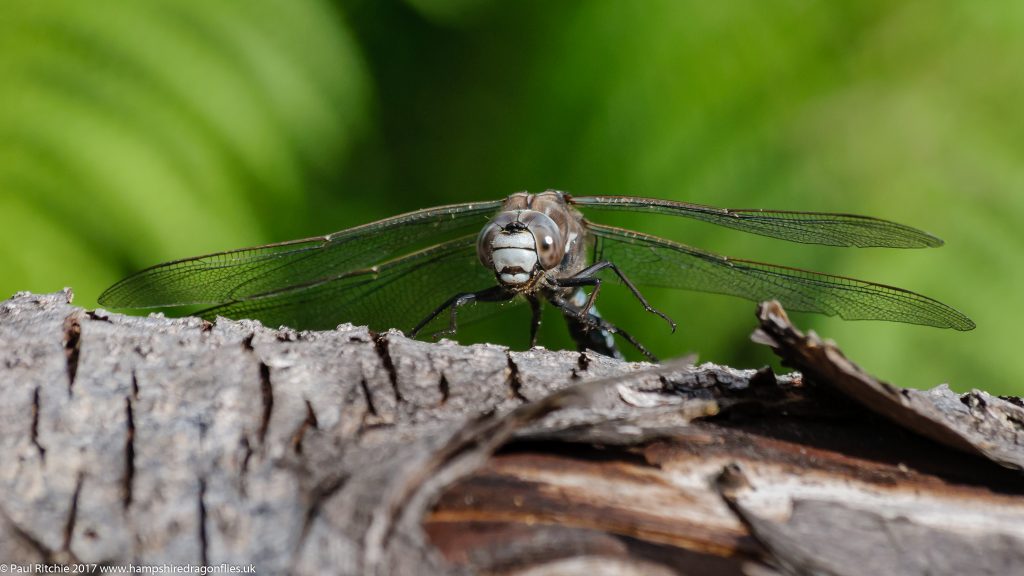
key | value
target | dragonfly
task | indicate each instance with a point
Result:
(441, 266)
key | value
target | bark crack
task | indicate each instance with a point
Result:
(515, 382)
(247, 449)
(300, 432)
(317, 496)
(203, 540)
(266, 390)
(35, 425)
(129, 452)
(69, 525)
(445, 389)
(267, 394)
(72, 347)
(382, 346)
(243, 471)
(371, 409)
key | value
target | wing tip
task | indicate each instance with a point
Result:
(964, 324)
(932, 241)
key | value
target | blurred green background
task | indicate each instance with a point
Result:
(137, 132)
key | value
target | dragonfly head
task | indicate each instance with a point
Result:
(519, 244)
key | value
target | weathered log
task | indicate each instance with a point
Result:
(153, 440)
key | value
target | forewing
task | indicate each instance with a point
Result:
(230, 276)
(658, 262)
(805, 227)
(395, 294)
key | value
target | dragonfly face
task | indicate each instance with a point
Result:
(408, 270)
(519, 246)
(534, 234)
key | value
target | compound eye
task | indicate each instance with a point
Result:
(548, 240)
(483, 244)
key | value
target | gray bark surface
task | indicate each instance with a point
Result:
(151, 440)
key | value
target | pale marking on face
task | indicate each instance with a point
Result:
(570, 242)
(520, 240)
(518, 278)
(514, 265)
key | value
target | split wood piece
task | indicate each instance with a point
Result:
(975, 422)
(149, 440)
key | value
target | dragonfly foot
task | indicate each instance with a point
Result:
(671, 322)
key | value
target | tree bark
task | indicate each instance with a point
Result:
(131, 440)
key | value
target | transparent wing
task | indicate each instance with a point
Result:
(658, 262)
(805, 227)
(396, 294)
(237, 274)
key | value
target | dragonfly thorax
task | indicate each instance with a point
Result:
(519, 244)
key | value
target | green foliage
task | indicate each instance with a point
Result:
(132, 133)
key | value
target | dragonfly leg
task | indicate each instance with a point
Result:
(592, 332)
(587, 277)
(493, 294)
(535, 310)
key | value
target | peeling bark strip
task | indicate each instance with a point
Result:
(381, 455)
